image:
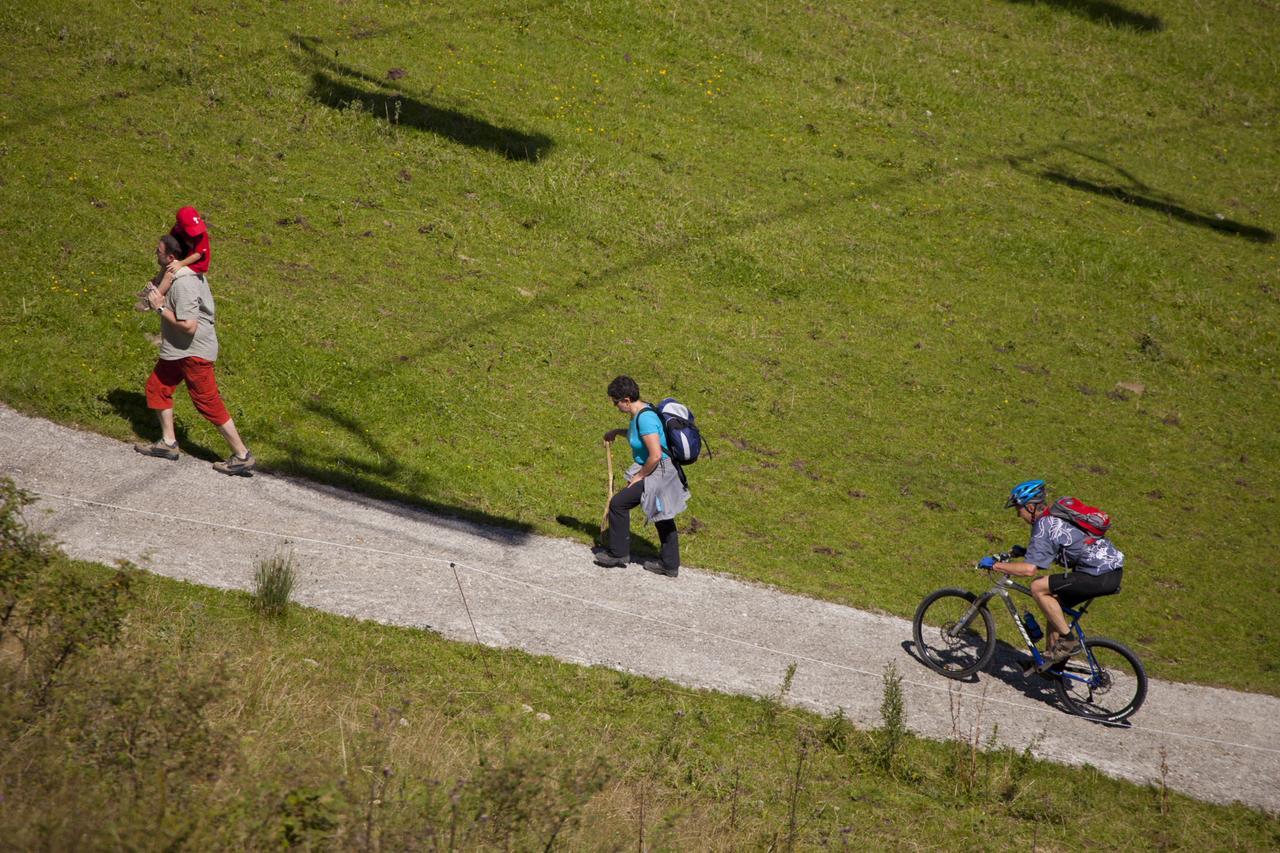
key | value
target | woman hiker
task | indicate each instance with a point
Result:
(653, 482)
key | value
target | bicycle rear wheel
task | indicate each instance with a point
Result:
(946, 650)
(1111, 691)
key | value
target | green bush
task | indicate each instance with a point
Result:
(24, 554)
(53, 612)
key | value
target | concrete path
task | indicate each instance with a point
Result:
(390, 563)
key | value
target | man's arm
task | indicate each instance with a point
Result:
(190, 259)
(1018, 568)
(167, 316)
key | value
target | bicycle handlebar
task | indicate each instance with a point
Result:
(1013, 553)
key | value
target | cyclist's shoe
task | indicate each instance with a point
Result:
(1063, 649)
(1054, 656)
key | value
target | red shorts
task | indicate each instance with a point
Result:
(201, 385)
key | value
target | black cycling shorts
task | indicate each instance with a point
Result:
(1073, 588)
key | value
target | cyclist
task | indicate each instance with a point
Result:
(1093, 565)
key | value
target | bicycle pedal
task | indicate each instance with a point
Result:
(1045, 668)
(1031, 668)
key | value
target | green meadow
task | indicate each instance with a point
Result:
(895, 255)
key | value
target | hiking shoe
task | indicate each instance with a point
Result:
(608, 561)
(159, 449)
(659, 568)
(236, 466)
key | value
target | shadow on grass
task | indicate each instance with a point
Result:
(673, 247)
(1135, 193)
(176, 80)
(132, 406)
(1102, 12)
(339, 86)
(590, 528)
(341, 475)
(1182, 214)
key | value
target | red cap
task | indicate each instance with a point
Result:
(190, 221)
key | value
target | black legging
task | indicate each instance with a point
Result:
(620, 527)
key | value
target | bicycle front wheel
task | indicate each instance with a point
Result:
(944, 644)
(1110, 689)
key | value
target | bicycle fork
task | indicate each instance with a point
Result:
(961, 626)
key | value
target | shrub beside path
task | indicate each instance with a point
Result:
(391, 563)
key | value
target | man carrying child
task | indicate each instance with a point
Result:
(188, 350)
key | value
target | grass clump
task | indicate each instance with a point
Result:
(274, 578)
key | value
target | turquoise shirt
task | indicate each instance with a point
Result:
(645, 423)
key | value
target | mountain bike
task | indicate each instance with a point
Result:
(955, 636)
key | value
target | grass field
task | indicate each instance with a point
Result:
(184, 720)
(896, 256)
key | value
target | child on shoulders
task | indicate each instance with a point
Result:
(190, 230)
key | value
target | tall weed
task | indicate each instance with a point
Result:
(893, 731)
(273, 580)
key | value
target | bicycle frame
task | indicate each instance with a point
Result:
(1001, 589)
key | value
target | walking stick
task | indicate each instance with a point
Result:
(608, 492)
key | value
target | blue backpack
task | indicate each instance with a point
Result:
(684, 441)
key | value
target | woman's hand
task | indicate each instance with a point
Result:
(611, 434)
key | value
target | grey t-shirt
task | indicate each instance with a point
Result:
(189, 297)
(1056, 541)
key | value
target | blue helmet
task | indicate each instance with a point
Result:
(1026, 492)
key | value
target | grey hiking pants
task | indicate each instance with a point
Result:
(620, 527)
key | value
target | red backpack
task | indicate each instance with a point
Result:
(1090, 519)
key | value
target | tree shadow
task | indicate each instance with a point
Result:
(1177, 211)
(175, 79)
(1137, 194)
(340, 86)
(1102, 12)
(132, 406)
(342, 475)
